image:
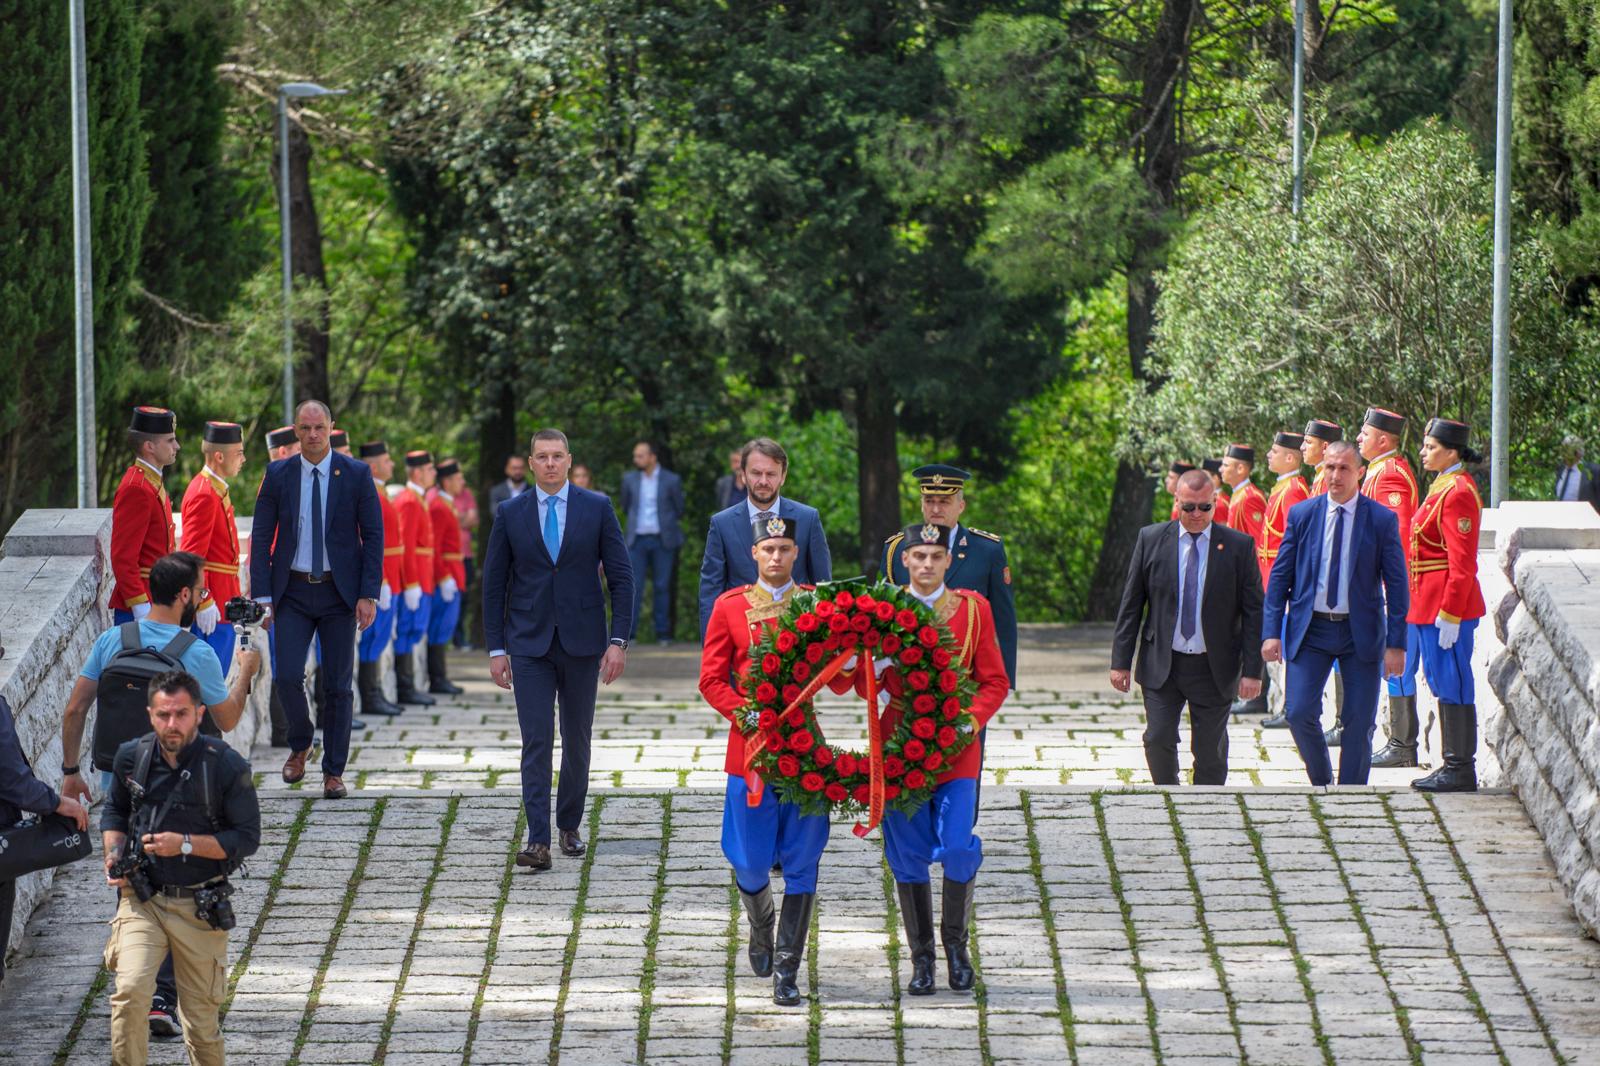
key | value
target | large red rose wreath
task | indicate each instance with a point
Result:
(818, 633)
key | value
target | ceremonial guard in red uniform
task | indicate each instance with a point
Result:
(1174, 472)
(141, 514)
(1318, 435)
(210, 531)
(416, 597)
(1446, 601)
(1247, 513)
(449, 574)
(376, 637)
(1219, 511)
(754, 837)
(941, 830)
(1390, 482)
(1284, 460)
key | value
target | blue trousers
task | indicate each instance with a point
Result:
(1406, 683)
(647, 553)
(938, 831)
(539, 684)
(753, 838)
(306, 611)
(1448, 670)
(411, 627)
(1307, 675)
(377, 636)
(442, 618)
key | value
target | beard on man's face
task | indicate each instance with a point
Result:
(189, 612)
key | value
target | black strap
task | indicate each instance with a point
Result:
(208, 783)
(130, 636)
(179, 644)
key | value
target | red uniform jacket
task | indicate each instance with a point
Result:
(1220, 512)
(1444, 552)
(1391, 482)
(1319, 481)
(209, 530)
(141, 533)
(1290, 490)
(1247, 510)
(393, 550)
(448, 561)
(416, 536)
(971, 623)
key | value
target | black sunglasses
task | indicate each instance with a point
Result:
(1190, 508)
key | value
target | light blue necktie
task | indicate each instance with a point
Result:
(552, 528)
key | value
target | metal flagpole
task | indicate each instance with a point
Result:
(288, 279)
(1499, 452)
(1299, 103)
(83, 260)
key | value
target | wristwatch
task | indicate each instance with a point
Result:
(618, 642)
(186, 847)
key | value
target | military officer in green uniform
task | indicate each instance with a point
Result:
(977, 559)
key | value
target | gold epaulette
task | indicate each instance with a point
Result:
(985, 534)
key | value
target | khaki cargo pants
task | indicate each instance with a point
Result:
(141, 934)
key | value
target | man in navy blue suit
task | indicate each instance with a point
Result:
(544, 621)
(1341, 577)
(316, 559)
(727, 563)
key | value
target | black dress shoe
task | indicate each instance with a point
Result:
(572, 844)
(534, 857)
(1277, 721)
(1334, 737)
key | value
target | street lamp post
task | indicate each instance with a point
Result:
(297, 90)
(82, 261)
(1500, 387)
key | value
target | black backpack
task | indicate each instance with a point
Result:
(123, 698)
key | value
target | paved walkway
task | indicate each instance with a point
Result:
(1258, 924)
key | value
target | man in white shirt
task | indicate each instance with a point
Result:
(1576, 480)
(652, 503)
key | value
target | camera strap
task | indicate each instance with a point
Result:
(142, 761)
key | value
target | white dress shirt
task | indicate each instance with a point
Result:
(928, 600)
(1346, 562)
(1195, 645)
(558, 500)
(775, 593)
(649, 506)
(157, 470)
(302, 546)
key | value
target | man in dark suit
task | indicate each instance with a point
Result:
(727, 563)
(514, 485)
(319, 513)
(652, 501)
(730, 486)
(1337, 593)
(544, 621)
(1577, 481)
(1192, 605)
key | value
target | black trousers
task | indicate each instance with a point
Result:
(8, 902)
(541, 685)
(1189, 682)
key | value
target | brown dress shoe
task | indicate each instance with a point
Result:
(332, 788)
(294, 767)
(535, 857)
(571, 843)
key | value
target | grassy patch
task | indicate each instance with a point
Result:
(570, 952)
(1047, 915)
(1115, 879)
(492, 948)
(647, 980)
(731, 972)
(102, 978)
(274, 883)
(1200, 919)
(891, 926)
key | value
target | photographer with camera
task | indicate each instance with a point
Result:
(181, 817)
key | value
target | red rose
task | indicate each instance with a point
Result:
(766, 692)
(807, 623)
(861, 623)
(801, 741)
(934, 761)
(891, 792)
(794, 719)
(911, 656)
(774, 740)
(916, 779)
(811, 782)
(918, 680)
(924, 704)
(814, 653)
(947, 737)
(928, 637)
(786, 640)
(849, 640)
(941, 657)
(915, 750)
(832, 643)
(824, 608)
(893, 766)
(906, 619)
(836, 792)
(768, 719)
(788, 765)
(862, 794)
(924, 727)
(790, 694)
(952, 707)
(838, 623)
(864, 602)
(948, 680)
(845, 764)
(884, 610)
(802, 670)
(771, 664)
(822, 756)
(871, 637)
(845, 599)
(892, 644)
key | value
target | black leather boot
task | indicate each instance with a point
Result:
(1401, 750)
(794, 926)
(955, 919)
(404, 690)
(438, 683)
(916, 908)
(373, 700)
(1459, 732)
(758, 909)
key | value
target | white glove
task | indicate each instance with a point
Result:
(413, 597)
(1448, 633)
(447, 590)
(139, 610)
(385, 596)
(206, 619)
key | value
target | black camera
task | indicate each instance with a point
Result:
(134, 863)
(243, 611)
(211, 905)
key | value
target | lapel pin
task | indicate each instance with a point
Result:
(337, 472)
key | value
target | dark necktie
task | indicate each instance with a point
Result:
(1561, 489)
(762, 516)
(1336, 560)
(1188, 615)
(316, 524)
